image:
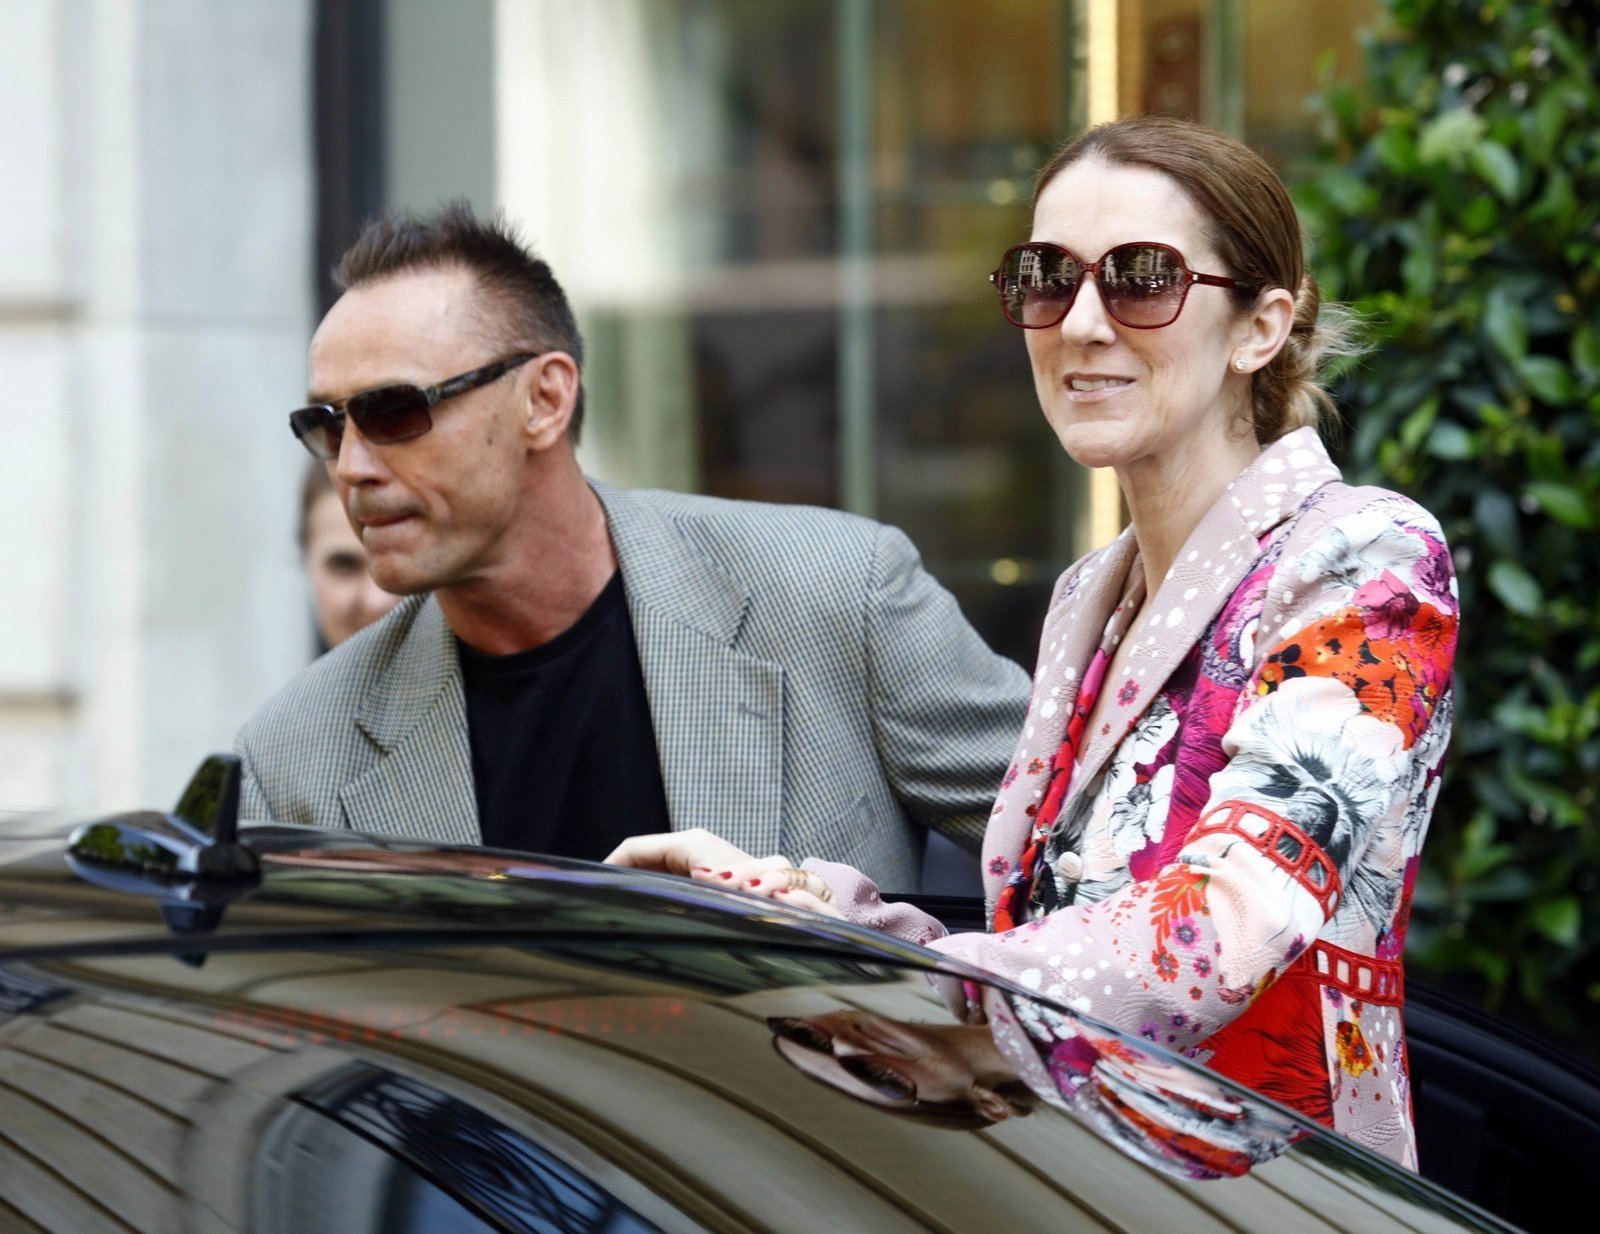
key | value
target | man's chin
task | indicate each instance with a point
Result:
(397, 580)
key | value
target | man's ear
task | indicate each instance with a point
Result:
(551, 387)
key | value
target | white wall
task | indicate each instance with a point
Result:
(155, 300)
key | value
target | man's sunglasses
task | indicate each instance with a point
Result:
(882, 1080)
(388, 414)
(1142, 285)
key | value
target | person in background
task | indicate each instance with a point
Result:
(1210, 832)
(344, 598)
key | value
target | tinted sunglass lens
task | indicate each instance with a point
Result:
(1143, 284)
(318, 429)
(1037, 285)
(390, 414)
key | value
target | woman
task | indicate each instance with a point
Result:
(1210, 832)
(344, 598)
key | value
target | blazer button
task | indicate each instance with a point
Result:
(1070, 867)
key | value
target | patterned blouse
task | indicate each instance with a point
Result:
(1225, 866)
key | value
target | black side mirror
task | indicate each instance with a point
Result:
(190, 860)
(198, 840)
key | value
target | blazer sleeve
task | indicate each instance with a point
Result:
(252, 801)
(945, 708)
(1333, 758)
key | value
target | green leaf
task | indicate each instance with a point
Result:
(1499, 885)
(1515, 587)
(1563, 503)
(1496, 165)
(1448, 138)
(1558, 920)
(1349, 192)
(1557, 204)
(1477, 865)
(1396, 150)
(1479, 832)
(1419, 270)
(1586, 353)
(1450, 441)
(1518, 716)
(1416, 425)
(1506, 324)
(1493, 793)
(1545, 126)
(1549, 380)
(1496, 516)
(1480, 215)
(1546, 802)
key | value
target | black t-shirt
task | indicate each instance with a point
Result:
(563, 750)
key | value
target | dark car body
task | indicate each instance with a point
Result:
(361, 1034)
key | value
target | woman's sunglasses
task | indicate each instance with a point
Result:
(389, 414)
(1142, 285)
(807, 1036)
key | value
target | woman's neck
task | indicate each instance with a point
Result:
(1168, 496)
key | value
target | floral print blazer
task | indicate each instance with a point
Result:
(1230, 868)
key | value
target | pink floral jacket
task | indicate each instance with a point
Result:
(1230, 869)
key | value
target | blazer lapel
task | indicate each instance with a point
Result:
(717, 711)
(1218, 555)
(416, 713)
(1071, 635)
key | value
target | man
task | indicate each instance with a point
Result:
(578, 663)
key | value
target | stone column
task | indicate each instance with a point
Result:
(155, 302)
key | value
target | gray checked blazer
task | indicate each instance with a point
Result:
(814, 692)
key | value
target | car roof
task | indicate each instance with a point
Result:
(536, 1019)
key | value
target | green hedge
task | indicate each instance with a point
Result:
(1455, 201)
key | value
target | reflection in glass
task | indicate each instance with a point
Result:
(1167, 1114)
(423, 1162)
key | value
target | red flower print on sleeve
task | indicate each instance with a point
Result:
(1355, 1057)
(1178, 894)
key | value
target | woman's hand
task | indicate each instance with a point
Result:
(773, 878)
(710, 859)
(681, 852)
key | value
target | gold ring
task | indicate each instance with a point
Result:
(796, 879)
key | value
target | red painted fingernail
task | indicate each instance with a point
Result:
(755, 882)
(726, 874)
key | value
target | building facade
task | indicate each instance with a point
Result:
(775, 220)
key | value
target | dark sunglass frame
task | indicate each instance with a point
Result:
(320, 427)
(807, 1036)
(1053, 253)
